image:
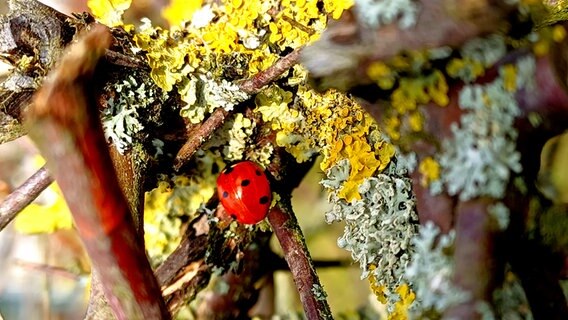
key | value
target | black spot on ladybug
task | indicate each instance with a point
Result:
(225, 194)
(228, 170)
(234, 216)
(245, 182)
(258, 173)
(264, 200)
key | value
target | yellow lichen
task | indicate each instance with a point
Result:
(328, 123)
(415, 91)
(47, 215)
(464, 68)
(174, 198)
(364, 164)
(541, 48)
(179, 11)
(416, 121)
(402, 306)
(509, 73)
(405, 99)
(429, 170)
(161, 231)
(109, 12)
(384, 76)
(558, 33)
(336, 7)
(254, 33)
(406, 296)
(377, 289)
(238, 130)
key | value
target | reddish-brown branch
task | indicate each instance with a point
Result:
(64, 123)
(191, 249)
(23, 196)
(199, 275)
(251, 86)
(289, 234)
(436, 208)
(198, 136)
(185, 273)
(339, 58)
(243, 287)
(123, 60)
(254, 84)
(475, 265)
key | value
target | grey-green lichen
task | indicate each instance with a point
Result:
(485, 310)
(380, 227)
(500, 214)
(319, 292)
(158, 145)
(121, 118)
(484, 51)
(376, 13)
(430, 272)
(233, 138)
(480, 157)
(203, 95)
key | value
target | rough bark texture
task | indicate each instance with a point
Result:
(293, 244)
(65, 125)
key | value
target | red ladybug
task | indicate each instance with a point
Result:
(245, 192)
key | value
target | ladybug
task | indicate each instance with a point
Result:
(245, 192)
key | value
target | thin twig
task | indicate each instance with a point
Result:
(296, 253)
(123, 60)
(254, 84)
(199, 136)
(49, 269)
(251, 86)
(23, 196)
(298, 25)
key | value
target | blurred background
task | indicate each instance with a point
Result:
(46, 275)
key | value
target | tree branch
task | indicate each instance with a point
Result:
(339, 59)
(251, 86)
(64, 123)
(289, 234)
(23, 196)
(254, 84)
(191, 249)
(185, 273)
(475, 261)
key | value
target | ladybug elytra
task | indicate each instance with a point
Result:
(244, 192)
